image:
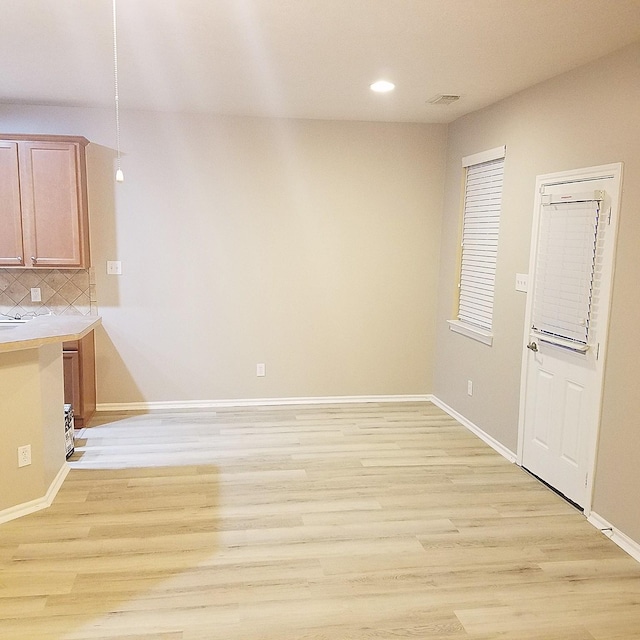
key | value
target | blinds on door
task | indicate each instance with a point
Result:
(482, 204)
(566, 266)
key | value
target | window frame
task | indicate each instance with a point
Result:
(478, 331)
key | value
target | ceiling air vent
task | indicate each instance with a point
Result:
(443, 99)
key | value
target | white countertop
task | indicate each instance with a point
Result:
(45, 330)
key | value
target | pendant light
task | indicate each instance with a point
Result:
(119, 174)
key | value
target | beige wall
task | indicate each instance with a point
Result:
(310, 246)
(31, 384)
(584, 118)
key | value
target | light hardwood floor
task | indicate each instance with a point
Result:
(329, 522)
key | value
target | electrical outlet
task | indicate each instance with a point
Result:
(261, 370)
(114, 267)
(36, 294)
(24, 455)
(469, 387)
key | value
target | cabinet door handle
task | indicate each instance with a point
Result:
(19, 258)
(34, 259)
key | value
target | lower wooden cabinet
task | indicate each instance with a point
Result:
(79, 359)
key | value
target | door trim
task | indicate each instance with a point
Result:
(612, 171)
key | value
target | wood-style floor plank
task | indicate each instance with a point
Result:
(354, 522)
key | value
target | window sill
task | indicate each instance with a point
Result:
(471, 332)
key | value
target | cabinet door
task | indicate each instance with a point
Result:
(11, 249)
(79, 359)
(71, 367)
(87, 350)
(54, 204)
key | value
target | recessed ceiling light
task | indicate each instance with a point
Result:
(382, 86)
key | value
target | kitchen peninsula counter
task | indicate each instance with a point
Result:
(32, 410)
(44, 330)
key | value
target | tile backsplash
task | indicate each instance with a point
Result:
(62, 291)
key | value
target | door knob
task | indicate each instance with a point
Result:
(533, 346)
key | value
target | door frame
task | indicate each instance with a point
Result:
(613, 171)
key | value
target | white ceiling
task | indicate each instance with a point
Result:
(301, 58)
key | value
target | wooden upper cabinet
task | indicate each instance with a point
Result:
(52, 209)
(11, 247)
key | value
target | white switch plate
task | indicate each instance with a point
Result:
(36, 294)
(114, 267)
(261, 370)
(469, 387)
(522, 282)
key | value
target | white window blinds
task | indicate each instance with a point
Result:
(482, 204)
(566, 268)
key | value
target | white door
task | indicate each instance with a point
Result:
(570, 271)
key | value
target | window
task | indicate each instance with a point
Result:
(568, 267)
(481, 222)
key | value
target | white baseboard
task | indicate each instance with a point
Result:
(475, 429)
(623, 541)
(40, 503)
(177, 405)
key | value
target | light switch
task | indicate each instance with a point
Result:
(114, 267)
(36, 294)
(522, 282)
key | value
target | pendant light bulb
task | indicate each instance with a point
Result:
(119, 175)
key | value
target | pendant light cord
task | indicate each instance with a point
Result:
(119, 175)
